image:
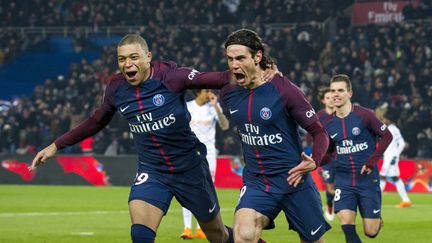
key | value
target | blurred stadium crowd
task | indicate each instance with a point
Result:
(117, 13)
(390, 65)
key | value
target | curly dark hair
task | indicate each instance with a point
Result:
(253, 41)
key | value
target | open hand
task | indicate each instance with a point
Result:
(296, 173)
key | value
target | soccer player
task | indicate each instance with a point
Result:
(328, 170)
(171, 160)
(205, 112)
(359, 138)
(267, 115)
(390, 167)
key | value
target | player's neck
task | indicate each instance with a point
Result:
(344, 110)
(148, 75)
(256, 84)
(256, 80)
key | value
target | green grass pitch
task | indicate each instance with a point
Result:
(99, 214)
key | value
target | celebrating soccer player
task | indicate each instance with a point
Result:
(267, 115)
(359, 138)
(171, 160)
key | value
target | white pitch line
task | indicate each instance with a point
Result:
(58, 213)
(31, 214)
(82, 233)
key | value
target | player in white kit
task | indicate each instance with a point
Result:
(390, 169)
(205, 113)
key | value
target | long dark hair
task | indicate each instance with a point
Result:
(251, 39)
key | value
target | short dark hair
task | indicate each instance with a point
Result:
(133, 39)
(322, 91)
(342, 78)
(250, 39)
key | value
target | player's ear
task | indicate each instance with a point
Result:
(258, 57)
(149, 55)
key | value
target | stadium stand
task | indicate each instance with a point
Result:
(390, 65)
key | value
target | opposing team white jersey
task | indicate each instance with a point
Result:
(397, 145)
(203, 123)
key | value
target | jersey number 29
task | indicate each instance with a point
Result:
(141, 178)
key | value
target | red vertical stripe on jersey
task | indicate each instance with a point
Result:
(250, 105)
(138, 97)
(161, 151)
(350, 155)
(257, 154)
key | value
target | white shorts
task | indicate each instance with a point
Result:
(390, 170)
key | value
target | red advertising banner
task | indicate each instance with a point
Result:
(18, 168)
(120, 171)
(379, 12)
(88, 167)
(228, 172)
(417, 175)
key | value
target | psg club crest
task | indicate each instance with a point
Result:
(265, 113)
(158, 100)
(356, 131)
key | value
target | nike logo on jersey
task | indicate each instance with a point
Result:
(212, 209)
(123, 109)
(375, 211)
(233, 111)
(333, 136)
(313, 232)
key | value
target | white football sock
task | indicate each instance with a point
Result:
(401, 190)
(187, 218)
(382, 184)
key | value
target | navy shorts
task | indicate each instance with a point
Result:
(193, 189)
(303, 209)
(328, 172)
(366, 199)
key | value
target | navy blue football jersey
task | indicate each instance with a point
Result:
(355, 138)
(157, 115)
(267, 118)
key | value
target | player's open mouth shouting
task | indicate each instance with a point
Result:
(131, 75)
(240, 78)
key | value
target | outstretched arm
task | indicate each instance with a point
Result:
(182, 78)
(86, 129)
(96, 122)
